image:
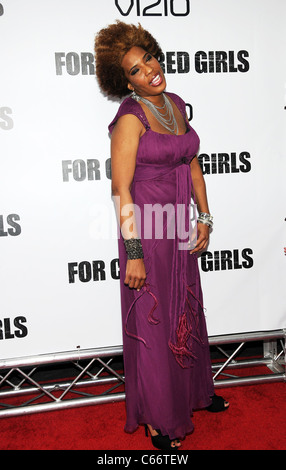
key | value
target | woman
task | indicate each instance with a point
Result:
(154, 174)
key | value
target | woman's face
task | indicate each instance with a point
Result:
(143, 73)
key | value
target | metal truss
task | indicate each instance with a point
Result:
(269, 367)
(24, 388)
(29, 385)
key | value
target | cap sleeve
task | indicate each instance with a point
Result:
(130, 106)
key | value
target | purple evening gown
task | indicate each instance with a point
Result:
(165, 345)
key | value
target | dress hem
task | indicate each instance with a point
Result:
(181, 434)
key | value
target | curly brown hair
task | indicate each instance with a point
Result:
(111, 44)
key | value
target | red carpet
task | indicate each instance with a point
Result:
(255, 421)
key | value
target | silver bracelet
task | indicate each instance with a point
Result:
(205, 218)
(134, 248)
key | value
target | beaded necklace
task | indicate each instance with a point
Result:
(166, 118)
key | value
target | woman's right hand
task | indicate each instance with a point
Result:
(135, 273)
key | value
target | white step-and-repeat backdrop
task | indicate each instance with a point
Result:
(59, 271)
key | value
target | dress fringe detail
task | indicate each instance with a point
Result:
(186, 332)
(151, 319)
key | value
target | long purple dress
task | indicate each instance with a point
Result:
(165, 344)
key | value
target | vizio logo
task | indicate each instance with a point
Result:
(151, 8)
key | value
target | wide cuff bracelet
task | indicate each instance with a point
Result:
(134, 248)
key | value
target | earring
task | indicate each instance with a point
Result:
(135, 96)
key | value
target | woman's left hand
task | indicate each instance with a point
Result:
(203, 238)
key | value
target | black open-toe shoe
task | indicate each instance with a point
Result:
(161, 442)
(218, 404)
